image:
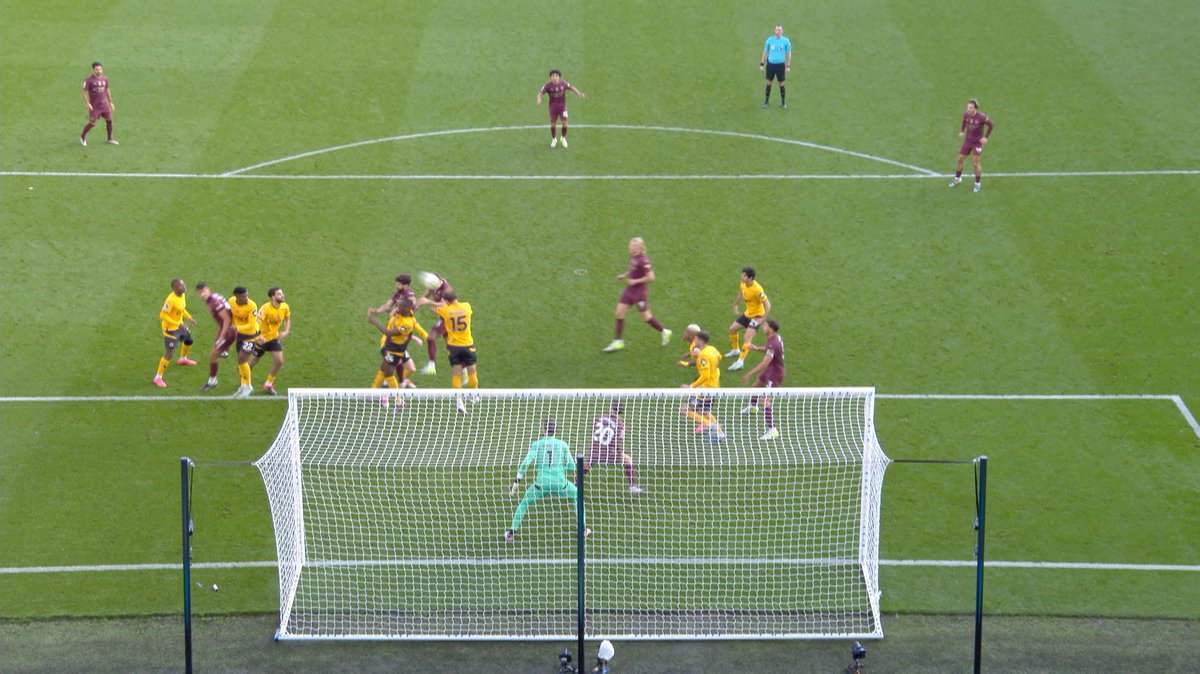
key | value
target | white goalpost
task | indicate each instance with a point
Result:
(391, 510)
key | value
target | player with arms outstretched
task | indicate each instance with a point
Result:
(172, 315)
(757, 308)
(608, 444)
(432, 296)
(551, 459)
(275, 319)
(770, 375)
(973, 123)
(218, 306)
(636, 293)
(556, 89)
(401, 328)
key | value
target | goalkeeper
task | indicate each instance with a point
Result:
(551, 459)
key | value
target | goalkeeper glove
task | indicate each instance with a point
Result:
(513, 489)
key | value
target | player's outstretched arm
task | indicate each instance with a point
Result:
(577, 92)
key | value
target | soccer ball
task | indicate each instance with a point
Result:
(429, 280)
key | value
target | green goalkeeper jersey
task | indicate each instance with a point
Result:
(551, 458)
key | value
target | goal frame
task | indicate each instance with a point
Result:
(293, 556)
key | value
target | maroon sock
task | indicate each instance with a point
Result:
(770, 417)
(553, 132)
(108, 127)
(753, 401)
(620, 327)
(431, 347)
(655, 324)
(212, 369)
(630, 475)
(958, 174)
(86, 129)
(564, 131)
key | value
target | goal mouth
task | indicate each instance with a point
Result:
(390, 510)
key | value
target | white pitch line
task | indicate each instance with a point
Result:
(433, 177)
(621, 127)
(1187, 414)
(925, 563)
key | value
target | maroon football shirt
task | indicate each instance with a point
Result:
(97, 91)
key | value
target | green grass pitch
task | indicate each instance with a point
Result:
(1072, 273)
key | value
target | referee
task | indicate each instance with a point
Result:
(776, 61)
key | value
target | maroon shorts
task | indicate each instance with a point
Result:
(97, 112)
(636, 296)
(225, 339)
(438, 328)
(770, 379)
(603, 454)
(969, 147)
(557, 111)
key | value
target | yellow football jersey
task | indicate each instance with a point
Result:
(408, 326)
(708, 368)
(754, 296)
(272, 319)
(174, 310)
(458, 323)
(244, 317)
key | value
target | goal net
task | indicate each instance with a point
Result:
(391, 510)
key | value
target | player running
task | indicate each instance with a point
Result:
(757, 308)
(552, 459)
(637, 290)
(608, 444)
(770, 375)
(973, 122)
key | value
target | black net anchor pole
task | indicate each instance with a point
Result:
(185, 491)
(580, 531)
(979, 523)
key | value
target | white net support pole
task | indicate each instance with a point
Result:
(391, 510)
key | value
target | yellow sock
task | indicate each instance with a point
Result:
(697, 417)
(378, 380)
(393, 382)
(473, 380)
(244, 373)
(270, 379)
(745, 350)
(162, 365)
(456, 381)
(733, 339)
(184, 352)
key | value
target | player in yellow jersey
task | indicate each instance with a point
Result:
(689, 335)
(245, 320)
(173, 313)
(459, 342)
(708, 376)
(757, 308)
(401, 328)
(275, 321)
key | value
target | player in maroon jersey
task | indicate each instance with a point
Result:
(218, 306)
(973, 122)
(770, 375)
(608, 444)
(439, 328)
(557, 89)
(635, 294)
(403, 291)
(98, 98)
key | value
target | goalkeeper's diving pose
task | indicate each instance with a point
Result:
(551, 459)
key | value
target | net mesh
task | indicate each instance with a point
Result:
(390, 513)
